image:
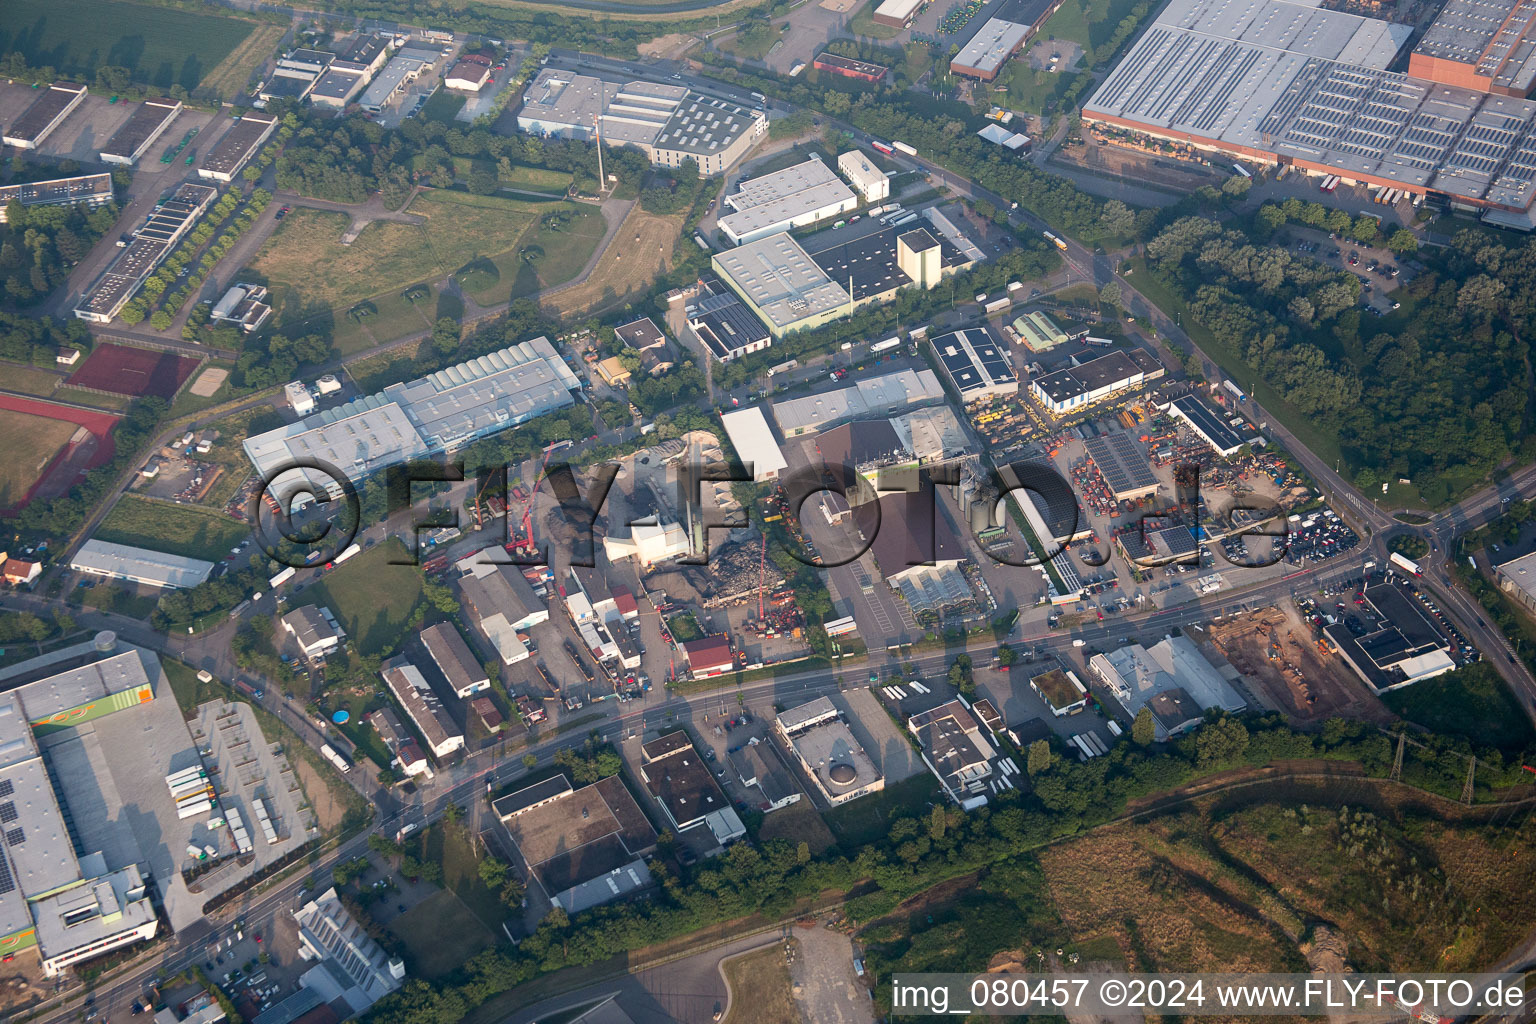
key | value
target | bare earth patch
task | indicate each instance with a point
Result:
(209, 381)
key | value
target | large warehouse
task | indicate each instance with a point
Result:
(231, 153)
(790, 198)
(146, 125)
(871, 182)
(885, 395)
(440, 412)
(140, 565)
(1081, 385)
(668, 123)
(1294, 83)
(1001, 36)
(45, 114)
(976, 364)
(753, 440)
(828, 752)
(152, 242)
(92, 190)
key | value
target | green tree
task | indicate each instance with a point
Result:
(160, 320)
(1110, 295)
(937, 822)
(530, 761)
(445, 335)
(1038, 760)
(1220, 743)
(803, 853)
(1403, 242)
(1144, 728)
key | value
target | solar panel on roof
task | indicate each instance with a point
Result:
(7, 880)
(16, 836)
(8, 813)
(6, 787)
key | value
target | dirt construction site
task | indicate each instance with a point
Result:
(1290, 669)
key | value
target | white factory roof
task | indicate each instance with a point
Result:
(1520, 573)
(156, 568)
(636, 113)
(438, 412)
(787, 197)
(901, 10)
(872, 397)
(754, 443)
(992, 44)
(1137, 674)
(1301, 81)
(781, 279)
(860, 169)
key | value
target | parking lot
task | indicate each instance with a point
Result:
(1376, 267)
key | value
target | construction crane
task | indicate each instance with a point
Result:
(527, 515)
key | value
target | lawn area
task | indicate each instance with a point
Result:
(189, 690)
(189, 530)
(443, 106)
(376, 371)
(371, 598)
(160, 46)
(798, 823)
(312, 273)
(110, 597)
(1032, 90)
(459, 853)
(440, 934)
(539, 179)
(391, 318)
(640, 251)
(752, 42)
(29, 380)
(866, 819)
(31, 442)
(1473, 703)
(1324, 445)
(761, 990)
(1091, 24)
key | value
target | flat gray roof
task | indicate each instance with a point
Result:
(991, 46)
(781, 279)
(156, 568)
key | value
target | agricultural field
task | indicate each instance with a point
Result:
(1240, 885)
(32, 442)
(372, 599)
(190, 530)
(160, 46)
(638, 254)
(233, 74)
(479, 239)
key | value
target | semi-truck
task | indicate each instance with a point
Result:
(902, 147)
(1405, 564)
(1054, 240)
(329, 753)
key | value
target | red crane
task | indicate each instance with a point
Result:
(528, 505)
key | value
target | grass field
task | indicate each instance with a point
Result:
(29, 380)
(233, 74)
(441, 934)
(189, 530)
(160, 46)
(371, 598)
(443, 106)
(376, 371)
(798, 823)
(539, 179)
(30, 442)
(309, 269)
(867, 818)
(640, 251)
(761, 990)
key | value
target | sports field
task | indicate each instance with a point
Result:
(31, 443)
(483, 237)
(50, 472)
(126, 370)
(160, 46)
(189, 530)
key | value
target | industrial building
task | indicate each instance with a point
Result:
(1295, 84)
(957, 750)
(295, 75)
(1405, 647)
(762, 773)
(847, 67)
(792, 286)
(885, 452)
(342, 81)
(976, 364)
(668, 123)
(753, 440)
(244, 306)
(1517, 578)
(44, 114)
(408, 64)
(898, 13)
(885, 395)
(232, 152)
(1081, 385)
(314, 629)
(455, 660)
(793, 197)
(139, 565)
(870, 181)
(1124, 465)
(89, 190)
(586, 846)
(641, 335)
(1206, 424)
(914, 534)
(468, 74)
(496, 588)
(651, 541)
(140, 131)
(350, 967)
(1040, 333)
(423, 707)
(1001, 36)
(723, 324)
(165, 226)
(681, 784)
(440, 412)
(1172, 669)
(70, 906)
(1061, 691)
(828, 752)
